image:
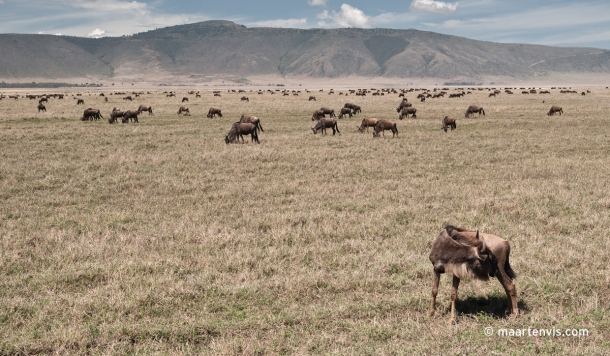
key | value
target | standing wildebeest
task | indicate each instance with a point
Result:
(468, 254)
(406, 111)
(239, 129)
(185, 99)
(80, 101)
(91, 114)
(245, 98)
(366, 123)
(317, 115)
(312, 98)
(449, 121)
(213, 112)
(185, 110)
(145, 108)
(106, 99)
(130, 114)
(325, 123)
(116, 113)
(355, 108)
(128, 97)
(253, 120)
(383, 125)
(472, 109)
(345, 111)
(44, 98)
(329, 112)
(555, 109)
(41, 108)
(403, 104)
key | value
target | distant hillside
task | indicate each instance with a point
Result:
(223, 47)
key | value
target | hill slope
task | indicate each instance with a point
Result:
(223, 47)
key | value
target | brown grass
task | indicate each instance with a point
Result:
(158, 238)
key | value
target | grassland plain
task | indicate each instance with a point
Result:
(158, 238)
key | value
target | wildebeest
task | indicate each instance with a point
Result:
(449, 121)
(555, 109)
(239, 129)
(325, 123)
(130, 114)
(406, 111)
(43, 99)
(329, 112)
(383, 125)
(41, 108)
(403, 104)
(312, 98)
(185, 110)
(253, 120)
(91, 114)
(472, 109)
(245, 98)
(345, 111)
(317, 115)
(355, 108)
(467, 254)
(114, 115)
(213, 112)
(80, 101)
(185, 99)
(106, 99)
(128, 97)
(145, 108)
(366, 123)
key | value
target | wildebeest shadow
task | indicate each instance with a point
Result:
(495, 306)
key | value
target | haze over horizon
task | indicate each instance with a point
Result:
(560, 23)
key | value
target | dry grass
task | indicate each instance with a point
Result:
(158, 238)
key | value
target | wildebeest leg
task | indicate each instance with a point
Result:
(454, 289)
(437, 277)
(511, 292)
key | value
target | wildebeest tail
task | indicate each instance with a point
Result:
(507, 267)
(483, 111)
(260, 126)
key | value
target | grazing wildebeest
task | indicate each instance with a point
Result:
(43, 99)
(91, 114)
(325, 123)
(472, 109)
(41, 108)
(116, 113)
(403, 104)
(213, 112)
(312, 98)
(329, 112)
(366, 123)
(130, 114)
(355, 108)
(555, 109)
(145, 108)
(185, 99)
(467, 254)
(449, 121)
(383, 125)
(345, 111)
(317, 115)
(253, 120)
(406, 111)
(239, 129)
(128, 98)
(80, 101)
(185, 110)
(245, 98)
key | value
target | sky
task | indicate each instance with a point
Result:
(584, 23)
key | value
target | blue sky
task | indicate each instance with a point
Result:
(584, 23)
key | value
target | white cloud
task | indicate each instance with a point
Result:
(317, 2)
(285, 23)
(97, 33)
(349, 16)
(439, 7)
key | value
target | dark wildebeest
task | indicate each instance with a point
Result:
(185, 110)
(355, 108)
(366, 123)
(44, 98)
(345, 111)
(114, 115)
(312, 98)
(185, 99)
(449, 121)
(555, 109)
(91, 114)
(106, 99)
(403, 104)
(80, 101)
(325, 123)
(145, 108)
(472, 109)
(130, 114)
(41, 108)
(383, 125)
(467, 254)
(406, 111)
(213, 112)
(245, 98)
(253, 120)
(239, 129)
(128, 98)
(317, 115)
(329, 112)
